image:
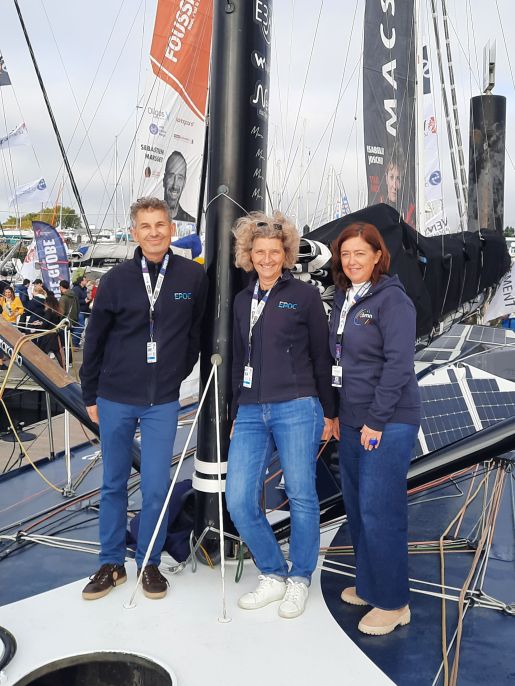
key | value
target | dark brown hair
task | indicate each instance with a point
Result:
(371, 235)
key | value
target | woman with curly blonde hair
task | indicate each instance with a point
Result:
(282, 398)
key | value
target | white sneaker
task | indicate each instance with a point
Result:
(268, 591)
(294, 599)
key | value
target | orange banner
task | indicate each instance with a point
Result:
(181, 48)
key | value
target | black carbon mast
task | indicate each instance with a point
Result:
(237, 155)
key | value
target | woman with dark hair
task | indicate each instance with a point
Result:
(282, 398)
(372, 340)
(52, 342)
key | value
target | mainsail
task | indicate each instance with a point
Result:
(388, 105)
(170, 141)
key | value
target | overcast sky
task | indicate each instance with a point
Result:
(93, 58)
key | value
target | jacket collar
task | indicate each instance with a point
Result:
(384, 282)
(138, 254)
(285, 277)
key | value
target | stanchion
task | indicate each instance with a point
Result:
(130, 604)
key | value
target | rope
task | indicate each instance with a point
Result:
(16, 349)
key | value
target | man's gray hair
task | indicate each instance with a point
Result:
(148, 204)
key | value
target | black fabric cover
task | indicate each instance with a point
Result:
(439, 273)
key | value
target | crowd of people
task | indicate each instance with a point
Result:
(33, 307)
(296, 382)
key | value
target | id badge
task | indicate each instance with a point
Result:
(247, 377)
(336, 376)
(151, 352)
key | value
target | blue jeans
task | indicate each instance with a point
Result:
(374, 492)
(118, 422)
(78, 329)
(295, 427)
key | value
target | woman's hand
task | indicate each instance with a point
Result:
(232, 429)
(336, 428)
(370, 438)
(328, 429)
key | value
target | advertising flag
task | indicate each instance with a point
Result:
(35, 192)
(170, 141)
(388, 105)
(503, 302)
(52, 256)
(18, 136)
(4, 76)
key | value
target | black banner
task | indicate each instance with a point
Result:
(389, 105)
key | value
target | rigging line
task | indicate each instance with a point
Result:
(16, 208)
(450, 136)
(52, 118)
(281, 118)
(74, 99)
(288, 81)
(312, 156)
(299, 109)
(109, 80)
(86, 99)
(354, 123)
(138, 85)
(504, 41)
(454, 101)
(336, 108)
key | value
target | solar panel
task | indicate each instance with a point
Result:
(491, 403)
(488, 334)
(445, 416)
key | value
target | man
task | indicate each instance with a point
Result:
(69, 306)
(23, 294)
(393, 182)
(81, 293)
(142, 341)
(174, 180)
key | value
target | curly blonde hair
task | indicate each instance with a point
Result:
(259, 225)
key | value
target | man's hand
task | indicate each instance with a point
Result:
(92, 411)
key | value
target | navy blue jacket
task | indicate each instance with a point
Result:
(23, 294)
(290, 355)
(81, 293)
(379, 383)
(115, 352)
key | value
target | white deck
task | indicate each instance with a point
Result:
(183, 634)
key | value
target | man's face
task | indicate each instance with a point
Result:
(173, 181)
(393, 183)
(153, 232)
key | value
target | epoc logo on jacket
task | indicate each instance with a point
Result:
(182, 296)
(283, 305)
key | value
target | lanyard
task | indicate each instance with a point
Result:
(153, 295)
(256, 309)
(343, 317)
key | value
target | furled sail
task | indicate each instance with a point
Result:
(388, 105)
(171, 130)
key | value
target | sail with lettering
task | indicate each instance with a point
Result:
(389, 105)
(171, 130)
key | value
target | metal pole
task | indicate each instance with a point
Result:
(67, 490)
(419, 122)
(50, 428)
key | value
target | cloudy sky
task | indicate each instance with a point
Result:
(93, 58)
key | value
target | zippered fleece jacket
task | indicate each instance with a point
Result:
(290, 354)
(379, 383)
(115, 363)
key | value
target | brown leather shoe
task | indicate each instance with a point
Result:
(349, 595)
(153, 582)
(102, 581)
